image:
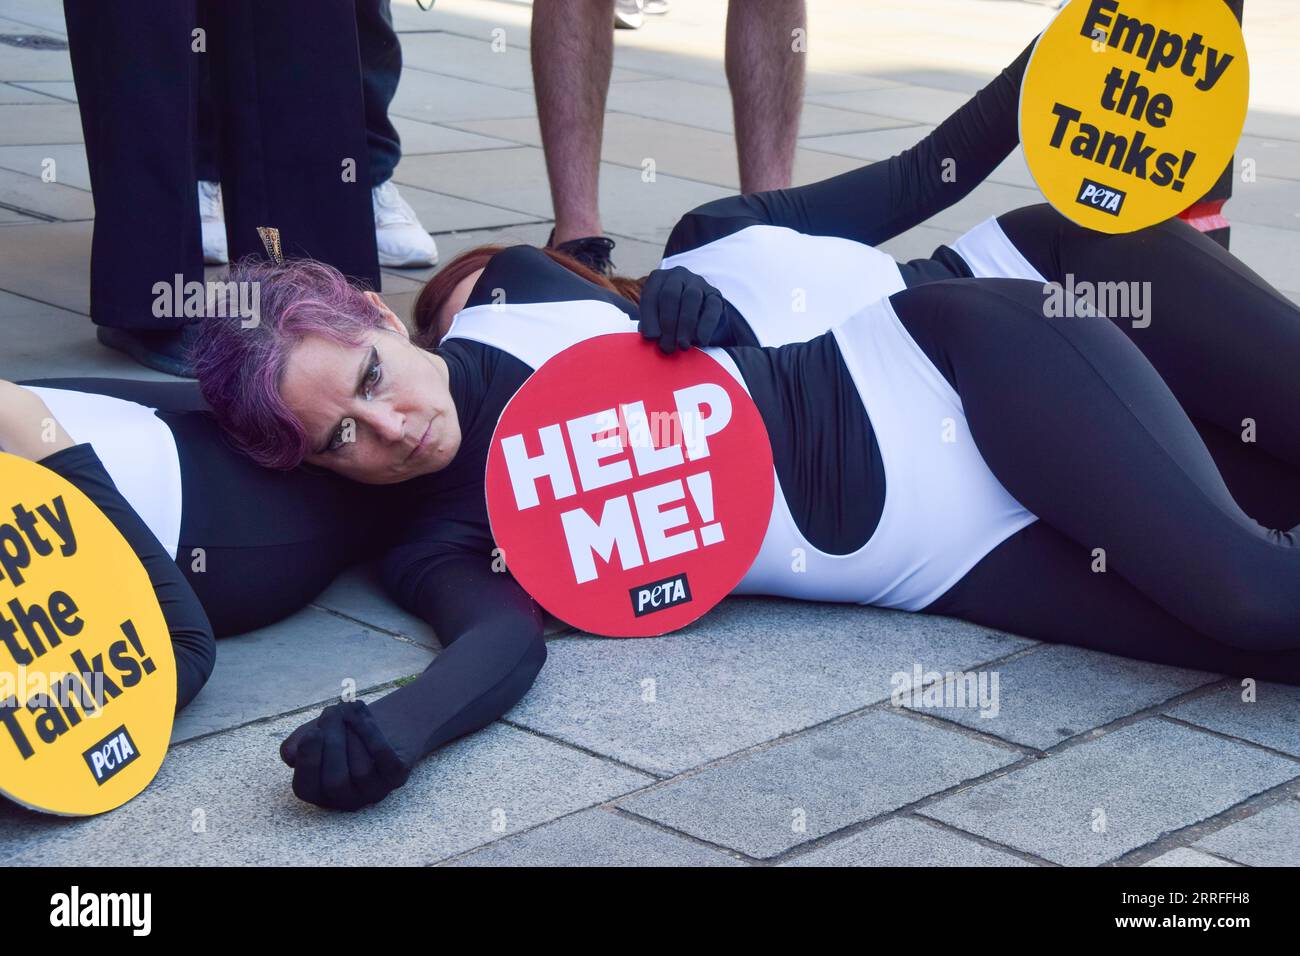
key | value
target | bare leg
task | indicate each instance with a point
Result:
(573, 54)
(765, 69)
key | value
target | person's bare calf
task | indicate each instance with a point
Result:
(766, 40)
(572, 54)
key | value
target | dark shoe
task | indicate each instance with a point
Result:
(163, 351)
(592, 251)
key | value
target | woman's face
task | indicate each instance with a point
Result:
(379, 412)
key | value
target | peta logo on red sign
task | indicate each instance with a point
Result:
(1100, 197)
(660, 595)
(619, 471)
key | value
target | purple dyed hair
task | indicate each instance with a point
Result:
(240, 369)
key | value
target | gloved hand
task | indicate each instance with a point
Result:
(341, 760)
(679, 309)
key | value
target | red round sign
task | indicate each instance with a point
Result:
(628, 490)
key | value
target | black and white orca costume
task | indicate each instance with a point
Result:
(902, 376)
(940, 508)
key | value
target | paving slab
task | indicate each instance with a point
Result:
(1273, 156)
(767, 801)
(906, 841)
(24, 93)
(1095, 802)
(917, 104)
(751, 670)
(65, 90)
(987, 200)
(234, 790)
(33, 16)
(881, 144)
(358, 594)
(434, 98)
(25, 123)
(1268, 250)
(876, 144)
(19, 63)
(1270, 837)
(709, 107)
(919, 242)
(309, 658)
(597, 837)
(1057, 692)
(689, 152)
(48, 262)
(44, 341)
(1267, 201)
(70, 167)
(501, 59)
(1271, 719)
(439, 212)
(31, 196)
(420, 137)
(1184, 856)
(1272, 124)
(516, 179)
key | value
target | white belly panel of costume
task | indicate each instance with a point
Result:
(991, 255)
(789, 286)
(137, 449)
(943, 510)
(534, 331)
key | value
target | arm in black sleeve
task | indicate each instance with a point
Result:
(193, 644)
(355, 754)
(491, 632)
(879, 201)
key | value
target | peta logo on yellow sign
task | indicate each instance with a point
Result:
(1131, 109)
(87, 677)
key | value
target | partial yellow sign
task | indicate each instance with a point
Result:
(1131, 109)
(87, 676)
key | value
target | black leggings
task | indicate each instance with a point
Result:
(255, 544)
(1086, 422)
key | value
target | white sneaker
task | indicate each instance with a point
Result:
(629, 14)
(402, 240)
(212, 222)
(656, 8)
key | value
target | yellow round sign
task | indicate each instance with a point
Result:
(87, 676)
(1131, 109)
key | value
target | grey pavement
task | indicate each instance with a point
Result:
(770, 732)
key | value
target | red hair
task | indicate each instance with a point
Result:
(435, 292)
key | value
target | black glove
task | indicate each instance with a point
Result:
(342, 760)
(680, 309)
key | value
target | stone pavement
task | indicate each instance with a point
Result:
(764, 734)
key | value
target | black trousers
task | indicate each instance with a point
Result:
(1130, 440)
(381, 68)
(287, 84)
